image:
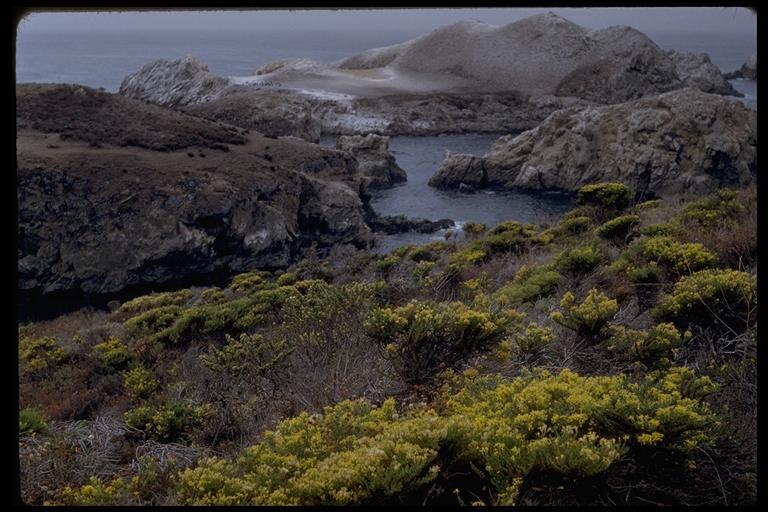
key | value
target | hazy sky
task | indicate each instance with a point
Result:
(648, 19)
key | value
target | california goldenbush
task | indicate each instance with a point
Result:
(290, 378)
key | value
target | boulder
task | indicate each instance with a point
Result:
(678, 142)
(374, 160)
(747, 71)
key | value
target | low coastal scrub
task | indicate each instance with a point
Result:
(606, 358)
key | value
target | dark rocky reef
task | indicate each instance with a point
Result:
(683, 141)
(393, 224)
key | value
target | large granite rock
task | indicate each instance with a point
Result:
(469, 76)
(374, 160)
(677, 142)
(173, 83)
(102, 216)
(275, 115)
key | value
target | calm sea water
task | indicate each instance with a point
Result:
(102, 59)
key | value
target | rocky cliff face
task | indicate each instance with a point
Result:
(469, 76)
(374, 160)
(104, 215)
(682, 141)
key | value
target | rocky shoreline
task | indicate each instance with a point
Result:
(186, 174)
(683, 141)
(466, 77)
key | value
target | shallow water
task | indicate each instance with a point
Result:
(421, 157)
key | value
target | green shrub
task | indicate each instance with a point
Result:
(153, 321)
(529, 285)
(589, 317)
(37, 355)
(645, 274)
(427, 252)
(388, 262)
(649, 205)
(654, 348)
(618, 229)
(251, 282)
(670, 228)
(612, 196)
(423, 337)
(721, 208)
(175, 326)
(139, 383)
(154, 301)
(287, 279)
(578, 260)
(167, 422)
(509, 236)
(718, 298)
(31, 422)
(113, 353)
(574, 225)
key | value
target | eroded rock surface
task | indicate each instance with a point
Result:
(100, 218)
(681, 141)
(374, 160)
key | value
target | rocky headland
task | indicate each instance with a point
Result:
(684, 141)
(117, 194)
(465, 77)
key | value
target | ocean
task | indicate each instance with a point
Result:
(102, 59)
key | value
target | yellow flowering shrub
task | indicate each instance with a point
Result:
(654, 348)
(113, 353)
(357, 454)
(613, 196)
(139, 383)
(666, 252)
(718, 298)
(588, 317)
(38, 354)
(523, 343)
(426, 336)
